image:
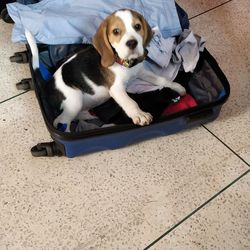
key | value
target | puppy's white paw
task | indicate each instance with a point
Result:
(141, 118)
(178, 88)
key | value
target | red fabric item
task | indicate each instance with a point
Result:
(185, 102)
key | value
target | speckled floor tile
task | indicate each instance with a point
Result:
(195, 7)
(223, 224)
(10, 73)
(121, 199)
(228, 40)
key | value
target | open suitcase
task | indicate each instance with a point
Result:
(75, 144)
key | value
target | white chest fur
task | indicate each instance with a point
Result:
(123, 74)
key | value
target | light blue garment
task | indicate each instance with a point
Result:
(184, 55)
(75, 21)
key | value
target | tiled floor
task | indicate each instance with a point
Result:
(190, 190)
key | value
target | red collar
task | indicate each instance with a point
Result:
(124, 62)
(132, 62)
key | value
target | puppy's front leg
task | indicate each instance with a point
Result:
(161, 81)
(131, 108)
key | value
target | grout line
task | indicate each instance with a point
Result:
(197, 209)
(226, 145)
(14, 96)
(210, 9)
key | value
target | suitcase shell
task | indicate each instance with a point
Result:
(71, 144)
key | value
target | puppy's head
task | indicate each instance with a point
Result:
(125, 33)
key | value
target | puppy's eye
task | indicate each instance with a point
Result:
(137, 27)
(116, 32)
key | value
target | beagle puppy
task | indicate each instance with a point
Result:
(91, 76)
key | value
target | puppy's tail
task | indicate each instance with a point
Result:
(34, 50)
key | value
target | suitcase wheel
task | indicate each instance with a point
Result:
(25, 84)
(5, 16)
(20, 57)
(46, 149)
(38, 151)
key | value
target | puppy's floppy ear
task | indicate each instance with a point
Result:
(102, 45)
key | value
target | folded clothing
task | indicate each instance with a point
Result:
(176, 54)
(205, 85)
(153, 102)
(186, 102)
(80, 19)
(187, 51)
(78, 126)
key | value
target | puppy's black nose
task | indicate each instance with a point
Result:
(132, 43)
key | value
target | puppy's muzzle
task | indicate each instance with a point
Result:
(132, 44)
